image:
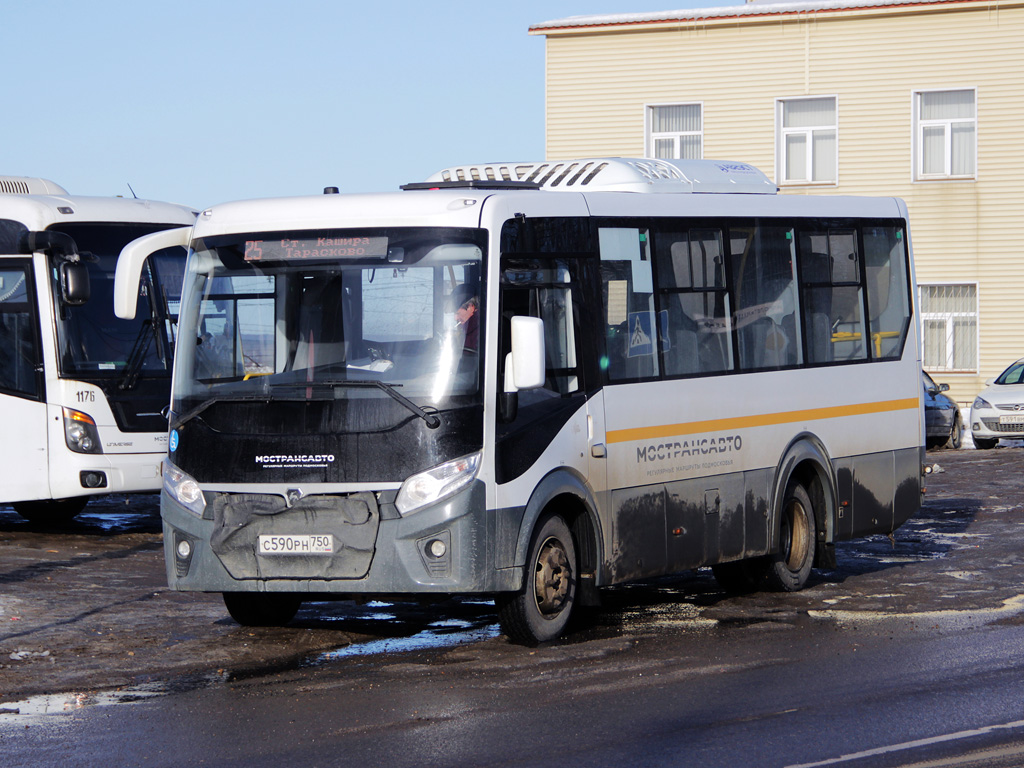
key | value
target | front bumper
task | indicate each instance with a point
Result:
(124, 473)
(402, 562)
(986, 424)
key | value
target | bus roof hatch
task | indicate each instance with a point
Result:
(620, 174)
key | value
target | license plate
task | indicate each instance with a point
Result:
(291, 544)
(1013, 418)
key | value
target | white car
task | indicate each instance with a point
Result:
(999, 410)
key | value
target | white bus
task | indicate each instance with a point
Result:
(81, 391)
(531, 381)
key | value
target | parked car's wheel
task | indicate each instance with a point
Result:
(956, 436)
(985, 444)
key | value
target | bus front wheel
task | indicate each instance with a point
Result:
(51, 511)
(262, 609)
(788, 569)
(540, 610)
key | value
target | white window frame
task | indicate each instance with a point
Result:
(650, 137)
(782, 133)
(948, 318)
(919, 126)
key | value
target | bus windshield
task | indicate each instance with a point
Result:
(94, 344)
(333, 316)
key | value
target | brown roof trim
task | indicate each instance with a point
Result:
(734, 12)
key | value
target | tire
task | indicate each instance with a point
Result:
(51, 511)
(262, 609)
(540, 611)
(956, 436)
(739, 577)
(787, 570)
(986, 444)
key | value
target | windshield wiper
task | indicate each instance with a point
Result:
(193, 412)
(137, 356)
(432, 419)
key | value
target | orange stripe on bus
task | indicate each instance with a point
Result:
(760, 420)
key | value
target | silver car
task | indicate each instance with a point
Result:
(999, 410)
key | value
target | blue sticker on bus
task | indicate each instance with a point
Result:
(641, 336)
(173, 443)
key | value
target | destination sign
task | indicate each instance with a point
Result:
(317, 248)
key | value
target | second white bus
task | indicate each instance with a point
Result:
(532, 381)
(81, 391)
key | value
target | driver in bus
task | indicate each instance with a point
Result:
(467, 321)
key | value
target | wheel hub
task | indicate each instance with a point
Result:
(553, 577)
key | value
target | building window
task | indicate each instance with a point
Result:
(946, 128)
(807, 145)
(676, 131)
(949, 327)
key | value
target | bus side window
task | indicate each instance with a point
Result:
(765, 296)
(885, 262)
(832, 296)
(694, 319)
(627, 290)
(19, 339)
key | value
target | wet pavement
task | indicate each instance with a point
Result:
(84, 610)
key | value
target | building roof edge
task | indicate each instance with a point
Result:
(755, 9)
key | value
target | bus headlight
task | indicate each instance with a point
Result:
(437, 483)
(80, 432)
(183, 489)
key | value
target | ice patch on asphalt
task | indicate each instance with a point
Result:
(447, 633)
(23, 713)
(953, 618)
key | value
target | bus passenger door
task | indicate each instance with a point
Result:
(23, 449)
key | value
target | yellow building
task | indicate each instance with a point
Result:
(922, 100)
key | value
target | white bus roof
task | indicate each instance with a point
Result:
(457, 196)
(45, 203)
(620, 174)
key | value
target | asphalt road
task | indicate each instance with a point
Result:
(909, 653)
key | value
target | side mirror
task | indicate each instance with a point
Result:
(74, 283)
(524, 366)
(130, 262)
(943, 387)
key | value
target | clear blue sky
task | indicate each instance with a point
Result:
(203, 102)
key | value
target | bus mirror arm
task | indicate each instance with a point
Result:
(130, 262)
(508, 400)
(50, 242)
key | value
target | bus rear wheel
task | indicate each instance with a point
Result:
(51, 511)
(262, 609)
(787, 570)
(540, 611)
